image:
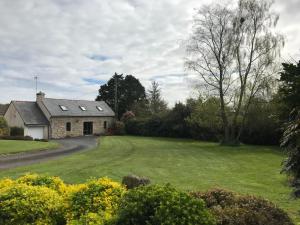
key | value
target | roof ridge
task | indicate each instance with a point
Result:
(74, 99)
(23, 101)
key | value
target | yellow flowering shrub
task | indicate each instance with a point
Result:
(54, 183)
(40, 199)
(24, 204)
(101, 196)
(6, 182)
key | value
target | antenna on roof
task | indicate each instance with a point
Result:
(36, 83)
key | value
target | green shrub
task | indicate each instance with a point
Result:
(3, 127)
(90, 219)
(232, 209)
(132, 181)
(23, 138)
(118, 128)
(155, 205)
(100, 196)
(24, 204)
(128, 115)
(16, 131)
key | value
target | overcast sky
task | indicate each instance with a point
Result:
(73, 46)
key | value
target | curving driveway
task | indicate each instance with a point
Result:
(68, 146)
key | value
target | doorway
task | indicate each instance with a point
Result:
(87, 128)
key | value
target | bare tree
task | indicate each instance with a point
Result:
(234, 50)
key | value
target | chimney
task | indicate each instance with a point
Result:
(40, 96)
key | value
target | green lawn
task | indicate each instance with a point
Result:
(187, 164)
(13, 146)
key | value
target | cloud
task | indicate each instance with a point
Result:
(72, 44)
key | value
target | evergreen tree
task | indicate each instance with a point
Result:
(156, 103)
(122, 93)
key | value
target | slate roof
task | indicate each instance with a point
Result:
(30, 113)
(3, 108)
(53, 107)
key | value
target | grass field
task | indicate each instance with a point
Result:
(187, 164)
(13, 146)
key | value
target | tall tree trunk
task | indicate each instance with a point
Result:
(226, 128)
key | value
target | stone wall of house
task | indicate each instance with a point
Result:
(12, 117)
(59, 124)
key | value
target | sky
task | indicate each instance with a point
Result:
(74, 46)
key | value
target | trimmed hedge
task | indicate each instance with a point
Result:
(23, 138)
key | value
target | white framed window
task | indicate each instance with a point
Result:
(83, 108)
(63, 108)
(99, 108)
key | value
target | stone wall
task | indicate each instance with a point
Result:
(58, 126)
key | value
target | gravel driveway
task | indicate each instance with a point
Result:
(68, 146)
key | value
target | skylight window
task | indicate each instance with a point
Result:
(82, 108)
(99, 108)
(63, 108)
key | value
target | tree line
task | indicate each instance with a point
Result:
(145, 112)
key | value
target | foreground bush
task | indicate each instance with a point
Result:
(96, 199)
(39, 199)
(54, 183)
(232, 209)
(155, 204)
(24, 204)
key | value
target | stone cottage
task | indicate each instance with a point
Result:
(58, 118)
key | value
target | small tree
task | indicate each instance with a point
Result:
(289, 93)
(289, 88)
(291, 143)
(234, 50)
(156, 103)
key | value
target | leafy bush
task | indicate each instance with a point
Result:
(24, 204)
(91, 219)
(3, 127)
(100, 196)
(153, 126)
(127, 116)
(118, 128)
(41, 140)
(132, 181)
(54, 183)
(154, 205)
(16, 131)
(232, 209)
